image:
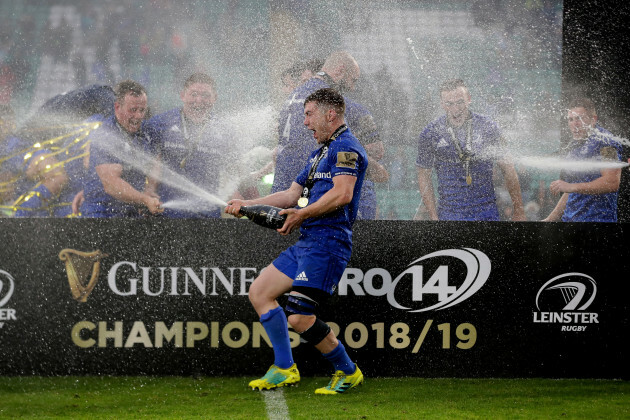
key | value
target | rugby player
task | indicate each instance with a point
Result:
(326, 192)
(588, 195)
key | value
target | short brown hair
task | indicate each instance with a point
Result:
(128, 87)
(585, 103)
(329, 97)
(451, 85)
(199, 78)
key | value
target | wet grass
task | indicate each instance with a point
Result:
(379, 398)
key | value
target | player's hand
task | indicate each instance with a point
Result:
(234, 207)
(559, 186)
(77, 201)
(294, 221)
(153, 204)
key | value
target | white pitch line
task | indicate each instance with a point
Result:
(276, 405)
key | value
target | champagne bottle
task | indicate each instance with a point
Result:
(264, 215)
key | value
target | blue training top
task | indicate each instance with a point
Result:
(193, 156)
(457, 200)
(599, 146)
(110, 144)
(333, 231)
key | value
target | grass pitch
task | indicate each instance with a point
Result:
(378, 398)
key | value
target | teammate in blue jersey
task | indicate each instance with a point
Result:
(362, 124)
(45, 157)
(588, 195)
(36, 175)
(191, 147)
(121, 177)
(326, 192)
(340, 71)
(463, 147)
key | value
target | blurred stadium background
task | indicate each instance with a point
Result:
(509, 52)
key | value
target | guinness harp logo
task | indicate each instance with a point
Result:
(83, 269)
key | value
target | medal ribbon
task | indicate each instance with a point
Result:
(310, 181)
(464, 156)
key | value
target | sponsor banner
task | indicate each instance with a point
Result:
(169, 297)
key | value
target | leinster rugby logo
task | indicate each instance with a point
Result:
(567, 292)
(564, 300)
(438, 280)
(7, 285)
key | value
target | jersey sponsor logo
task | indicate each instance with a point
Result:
(322, 175)
(301, 277)
(460, 273)
(442, 143)
(175, 129)
(564, 299)
(347, 159)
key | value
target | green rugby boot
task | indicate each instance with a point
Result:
(341, 382)
(276, 378)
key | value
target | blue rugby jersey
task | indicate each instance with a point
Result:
(333, 231)
(599, 146)
(456, 199)
(295, 141)
(110, 145)
(204, 155)
(362, 125)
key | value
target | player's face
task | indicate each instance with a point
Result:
(316, 120)
(580, 122)
(456, 103)
(198, 98)
(131, 111)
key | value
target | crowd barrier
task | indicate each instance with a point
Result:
(427, 299)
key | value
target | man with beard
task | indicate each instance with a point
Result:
(588, 195)
(340, 72)
(322, 202)
(463, 147)
(192, 147)
(120, 180)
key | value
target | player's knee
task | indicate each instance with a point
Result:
(300, 323)
(316, 333)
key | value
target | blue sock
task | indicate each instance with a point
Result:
(275, 324)
(340, 360)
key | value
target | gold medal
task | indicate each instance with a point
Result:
(302, 202)
(469, 180)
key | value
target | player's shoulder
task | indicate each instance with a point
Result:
(164, 118)
(311, 85)
(484, 121)
(435, 126)
(347, 141)
(353, 106)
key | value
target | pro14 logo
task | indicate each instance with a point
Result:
(7, 284)
(438, 286)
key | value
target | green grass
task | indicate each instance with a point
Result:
(379, 398)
